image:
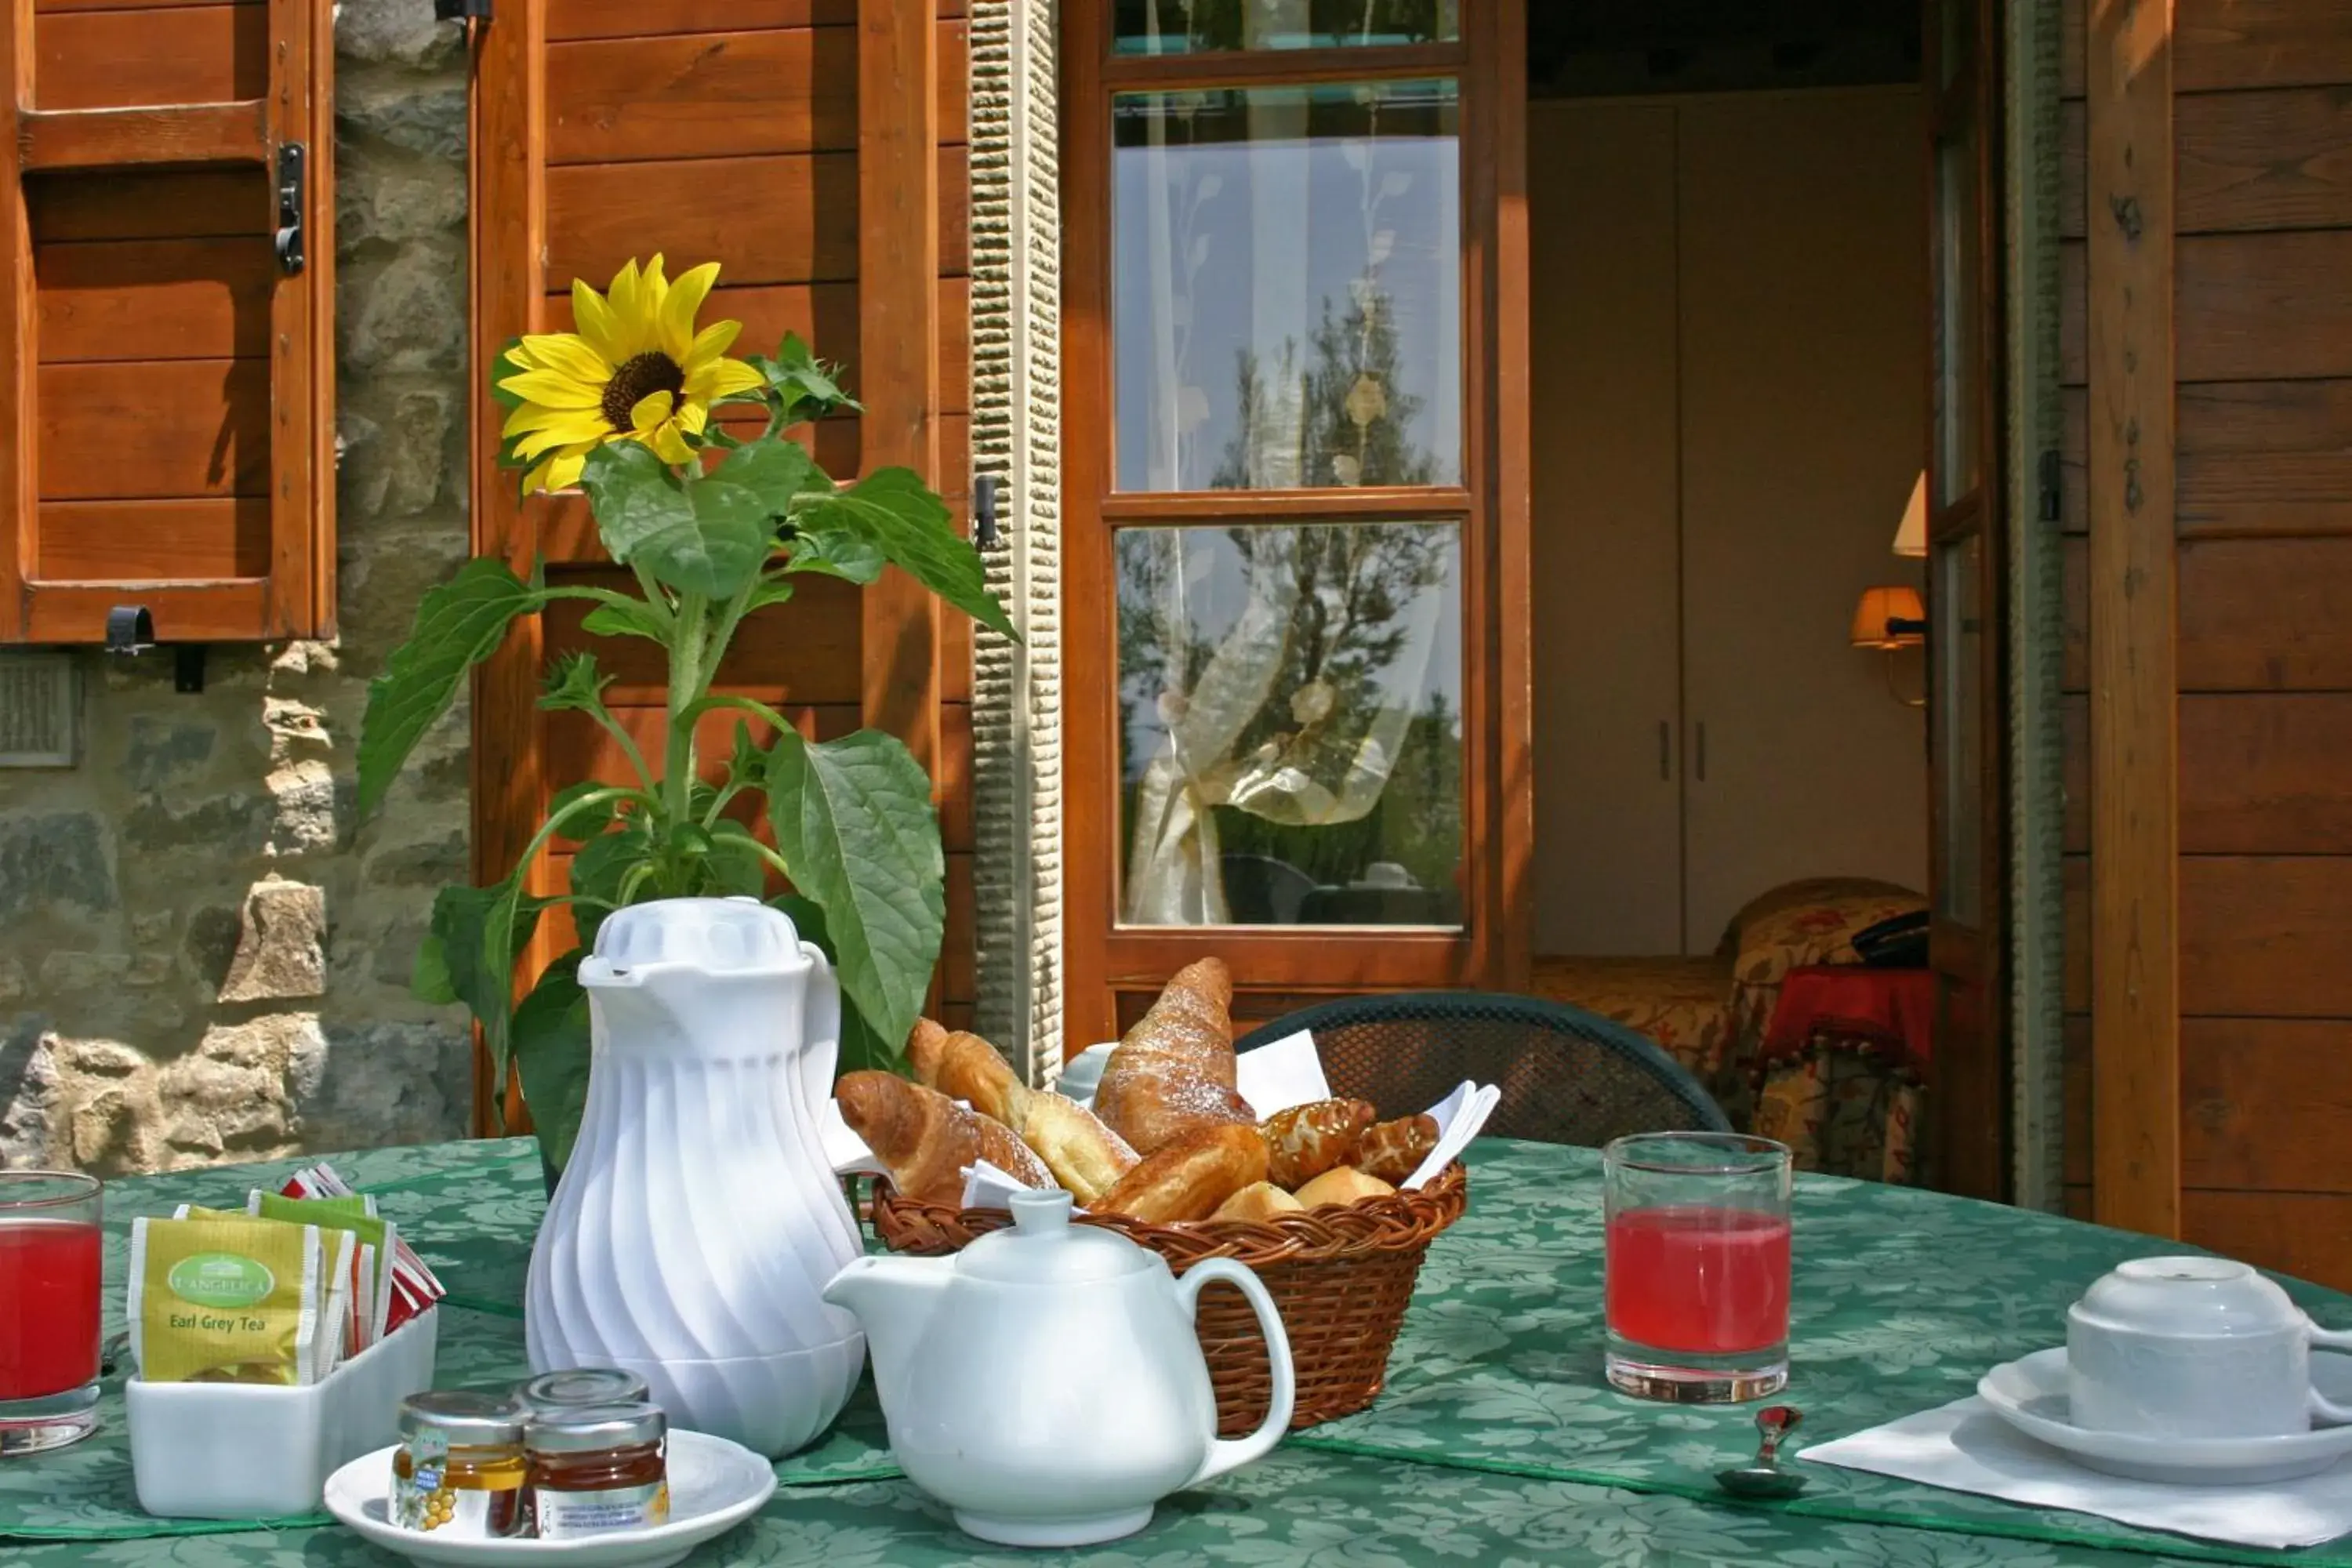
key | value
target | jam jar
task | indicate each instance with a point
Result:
(596, 1469)
(584, 1385)
(460, 1469)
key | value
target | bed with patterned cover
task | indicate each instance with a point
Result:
(1847, 1104)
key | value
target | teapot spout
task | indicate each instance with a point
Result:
(892, 1297)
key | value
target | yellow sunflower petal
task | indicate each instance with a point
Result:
(540, 441)
(668, 444)
(693, 418)
(650, 410)
(536, 479)
(563, 470)
(684, 297)
(569, 353)
(519, 355)
(709, 343)
(720, 378)
(622, 296)
(554, 390)
(532, 417)
(596, 322)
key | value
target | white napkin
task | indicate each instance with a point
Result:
(1459, 1116)
(1278, 1076)
(1964, 1447)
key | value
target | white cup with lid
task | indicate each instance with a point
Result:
(2194, 1347)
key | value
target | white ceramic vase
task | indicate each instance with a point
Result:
(697, 1220)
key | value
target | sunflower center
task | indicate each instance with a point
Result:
(637, 380)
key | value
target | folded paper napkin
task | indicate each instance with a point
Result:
(1964, 1447)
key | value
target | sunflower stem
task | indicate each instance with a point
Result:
(687, 680)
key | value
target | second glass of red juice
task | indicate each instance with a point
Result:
(1697, 1274)
(51, 1267)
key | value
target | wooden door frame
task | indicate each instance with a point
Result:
(1970, 1124)
(1492, 950)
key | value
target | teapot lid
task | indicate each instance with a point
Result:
(1043, 1247)
(734, 936)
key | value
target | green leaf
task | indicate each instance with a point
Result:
(600, 867)
(572, 683)
(636, 619)
(893, 509)
(862, 1050)
(480, 931)
(501, 367)
(804, 389)
(428, 979)
(837, 552)
(771, 590)
(458, 625)
(855, 825)
(734, 868)
(582, 822)
(710, 538)
(551, 1050)
(776, 471)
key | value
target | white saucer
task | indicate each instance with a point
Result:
(2031, 1396)
(714, 1485)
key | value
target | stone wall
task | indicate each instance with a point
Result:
(202, 956)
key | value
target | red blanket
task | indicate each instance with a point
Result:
(1893, 1009)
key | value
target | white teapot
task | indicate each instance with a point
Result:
(1045, 1383)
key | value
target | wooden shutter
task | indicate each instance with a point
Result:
(168, 351)
(747, 133)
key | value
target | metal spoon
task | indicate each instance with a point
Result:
(1765, 1478)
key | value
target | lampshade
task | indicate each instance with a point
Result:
(1911, 537)
(1880, 604)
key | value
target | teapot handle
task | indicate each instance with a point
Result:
(1230, 1453)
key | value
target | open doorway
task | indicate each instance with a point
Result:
(1729, 217)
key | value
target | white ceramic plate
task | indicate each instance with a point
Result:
(2031, 1396)
(714, 1485)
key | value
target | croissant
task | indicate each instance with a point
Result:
(1306, 1141)
(1394, 1149)
(1085, 1155)
(1190, 1177)
(927, 1140)
(1174, 1071)
(965, 1067)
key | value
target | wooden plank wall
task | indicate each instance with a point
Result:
(2263, 127)
(728, 131)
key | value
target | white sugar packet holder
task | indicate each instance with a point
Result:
(1964, 1447)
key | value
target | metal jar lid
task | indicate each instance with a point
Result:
(592, 1428)
(584, 1385)
(464, 1420)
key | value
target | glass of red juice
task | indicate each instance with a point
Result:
(1697, 1273)
(51, 1265)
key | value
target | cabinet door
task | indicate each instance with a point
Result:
(1802, 392)
(1608, 645)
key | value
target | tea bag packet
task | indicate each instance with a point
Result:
(376, 1237)
(413, 1286)
(226, 1299)
(339, 1315)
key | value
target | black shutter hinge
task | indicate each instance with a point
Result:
(461, 10)
(292, 179)
(983, 511)
(2053, 486)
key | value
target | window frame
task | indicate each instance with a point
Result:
(1488, 508)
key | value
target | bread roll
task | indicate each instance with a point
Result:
(1258, 1200)
(1346, 1184)
(1084, 1156)
(1306, 1141)
(1394, 1149)
(967, 1067)
(1174, 1071)
(1190, 1177)
(927, 1140)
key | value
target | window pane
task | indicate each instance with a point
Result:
(1188, 26)
(1291, 724)
(1959, 630)
(1286, 286)
(1960, 326)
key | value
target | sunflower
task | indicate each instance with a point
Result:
(635, 371)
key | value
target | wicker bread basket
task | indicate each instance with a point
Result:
(1340, 1276)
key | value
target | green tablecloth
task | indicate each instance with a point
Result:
(1496, 1442)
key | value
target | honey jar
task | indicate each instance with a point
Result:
(596, 1469)
(582, 1386)
(460, 1469)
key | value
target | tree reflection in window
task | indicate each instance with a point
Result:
(1291, 699)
